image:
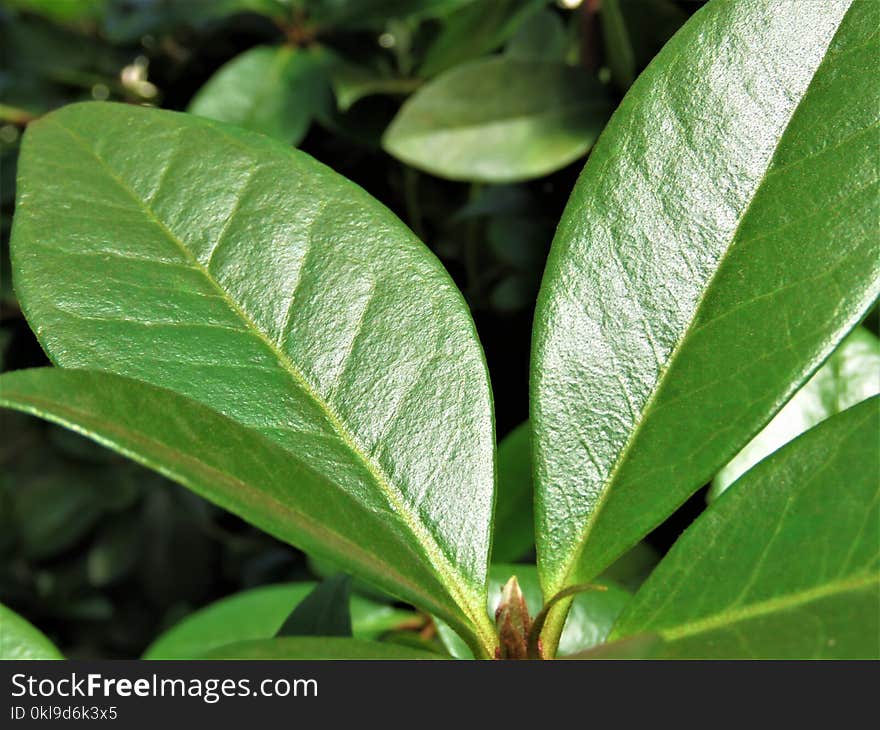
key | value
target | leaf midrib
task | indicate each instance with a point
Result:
(469, 602)
(577, 551)
(778, 604)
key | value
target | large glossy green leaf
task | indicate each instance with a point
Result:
(310, 647)
(500, 120)
(242, 273)
(258, 614)
(21, 640)
(590, 620)
(850, 375)
(784, 565)
(274, 90)
(720, 242)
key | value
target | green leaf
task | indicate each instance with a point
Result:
(541, 37)
(309, 647)
(499, 120)
(514, 518)
(274, 90)
(242, 273)
(591, 617)
(784, 566)
(21, 640)
(324, 612)
(259, 614)
(850, 375)
(63, 11)
(238, 469)
(357, 14)
(633, 32)
(718, 245)
(55, 504)
(475, 30)
(352, 82)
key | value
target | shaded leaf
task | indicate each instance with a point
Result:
(514, 518)
(541, 37)
(307, 647)
(323, 612)
(633, 32)
(474, 30)
(259, 614)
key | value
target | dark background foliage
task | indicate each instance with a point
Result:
(102, 554)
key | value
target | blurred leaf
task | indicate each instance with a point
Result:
(850, 375)
(258, 614)
(307, 647)
(521, 242)
(497, 200)
(352, 82)
(62, 11)
(500, 120)
(275, 90)
(55, 506)
(514, 292)
(129, 20)
(541, 37)
(633, 31)
(114, 552)
(475, 30)
(323, 612)
(783, 566)
(5, 339)
(514, 518)
(356, 14)
(21, 640)
(590, 620)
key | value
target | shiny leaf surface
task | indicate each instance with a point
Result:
(242, 273)
(719, 244)
(785, 564)
(500, 120)
(234, 467)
